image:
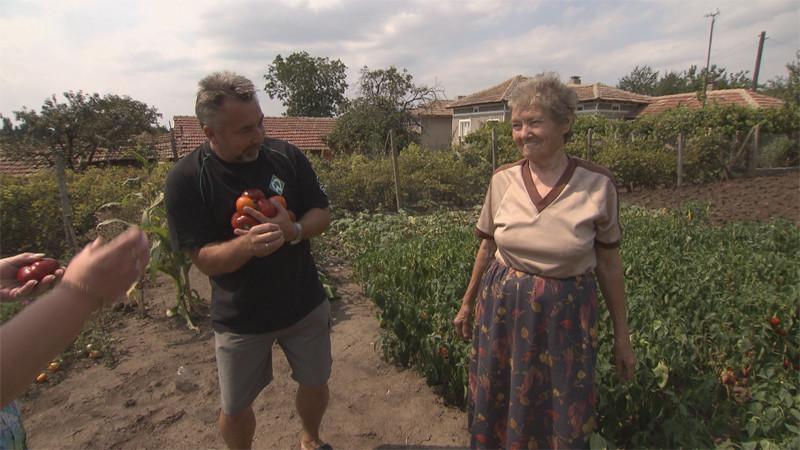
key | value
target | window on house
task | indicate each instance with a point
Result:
(464, 127)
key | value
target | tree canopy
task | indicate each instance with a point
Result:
(787, 88)
(307, 86)
(76, 129)
(645, 80)
(387, 98)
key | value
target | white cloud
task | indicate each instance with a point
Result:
(156, 51)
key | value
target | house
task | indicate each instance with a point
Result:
(491, 104)
(434, 121)
(186, 135)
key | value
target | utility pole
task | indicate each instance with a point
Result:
(708, 58)
(758, 60)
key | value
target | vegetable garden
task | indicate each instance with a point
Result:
(713, 313)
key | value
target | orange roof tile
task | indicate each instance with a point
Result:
(586, 92)
(304, 132)
(434, 108)
(22, 167)
(742, 97)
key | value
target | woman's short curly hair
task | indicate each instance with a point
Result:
(215, 89)
(546, 91)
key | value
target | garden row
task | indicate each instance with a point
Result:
(713, 313)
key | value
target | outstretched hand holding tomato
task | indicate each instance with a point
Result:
(27, 275)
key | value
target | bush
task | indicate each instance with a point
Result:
(643, 163)
(359, 183)
(780, 151)
(702, 161)
(31, 219)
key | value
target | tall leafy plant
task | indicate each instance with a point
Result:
(162, 258)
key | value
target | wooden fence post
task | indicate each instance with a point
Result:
(681, 147)
(589, 146)
(494, 150)
(752, 163)
(396, 171)
(66, 209)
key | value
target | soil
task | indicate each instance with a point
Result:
(374, 404)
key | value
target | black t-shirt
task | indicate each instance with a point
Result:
(267, 293)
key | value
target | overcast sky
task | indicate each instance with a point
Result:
(156, 51)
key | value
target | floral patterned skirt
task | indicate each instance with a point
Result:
(531, 378)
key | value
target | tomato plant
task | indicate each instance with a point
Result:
(714, 368)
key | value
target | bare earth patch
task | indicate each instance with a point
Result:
(373, 403)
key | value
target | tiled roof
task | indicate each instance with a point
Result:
(741, 97)
(600, 91)
(22, 167)
(158, 145)
(586, 92)
(304, 132)
(434, 108)
(494, 94)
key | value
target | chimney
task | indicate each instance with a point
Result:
(575, 79)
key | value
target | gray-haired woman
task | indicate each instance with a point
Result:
(551, 232)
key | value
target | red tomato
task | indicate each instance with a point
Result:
(243, 221)
(255, 194)
(37, 270)
(280, 200)
(266, 207)
(243, 202)
(774, 321)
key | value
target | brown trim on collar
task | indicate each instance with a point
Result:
(542, 203)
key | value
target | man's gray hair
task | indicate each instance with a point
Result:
(215, 89)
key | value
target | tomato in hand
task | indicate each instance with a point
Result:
(255, 194)
(243, 221)
(37, 270)
(280, 200)
(266, 207)
(243, 202)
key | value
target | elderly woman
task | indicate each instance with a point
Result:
(551, 232)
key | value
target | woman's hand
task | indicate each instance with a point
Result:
(463, 322)
(107, 271)
(625, 361)
(11, 289)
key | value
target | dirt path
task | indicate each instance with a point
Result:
(136, 405)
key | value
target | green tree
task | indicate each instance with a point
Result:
(642, 80)
(77, 129)
(787, 88)
(307, 86)
(387, 98)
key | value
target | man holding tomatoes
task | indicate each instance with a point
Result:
(265, 287)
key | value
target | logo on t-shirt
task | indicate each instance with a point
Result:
(276, 184)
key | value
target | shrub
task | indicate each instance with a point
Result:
(31, 218)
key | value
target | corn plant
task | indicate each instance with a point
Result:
(162, 259)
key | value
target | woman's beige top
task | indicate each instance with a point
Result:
(554, 236)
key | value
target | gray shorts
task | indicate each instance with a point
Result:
(244, 361)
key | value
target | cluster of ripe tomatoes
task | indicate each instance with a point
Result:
(255, 198)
